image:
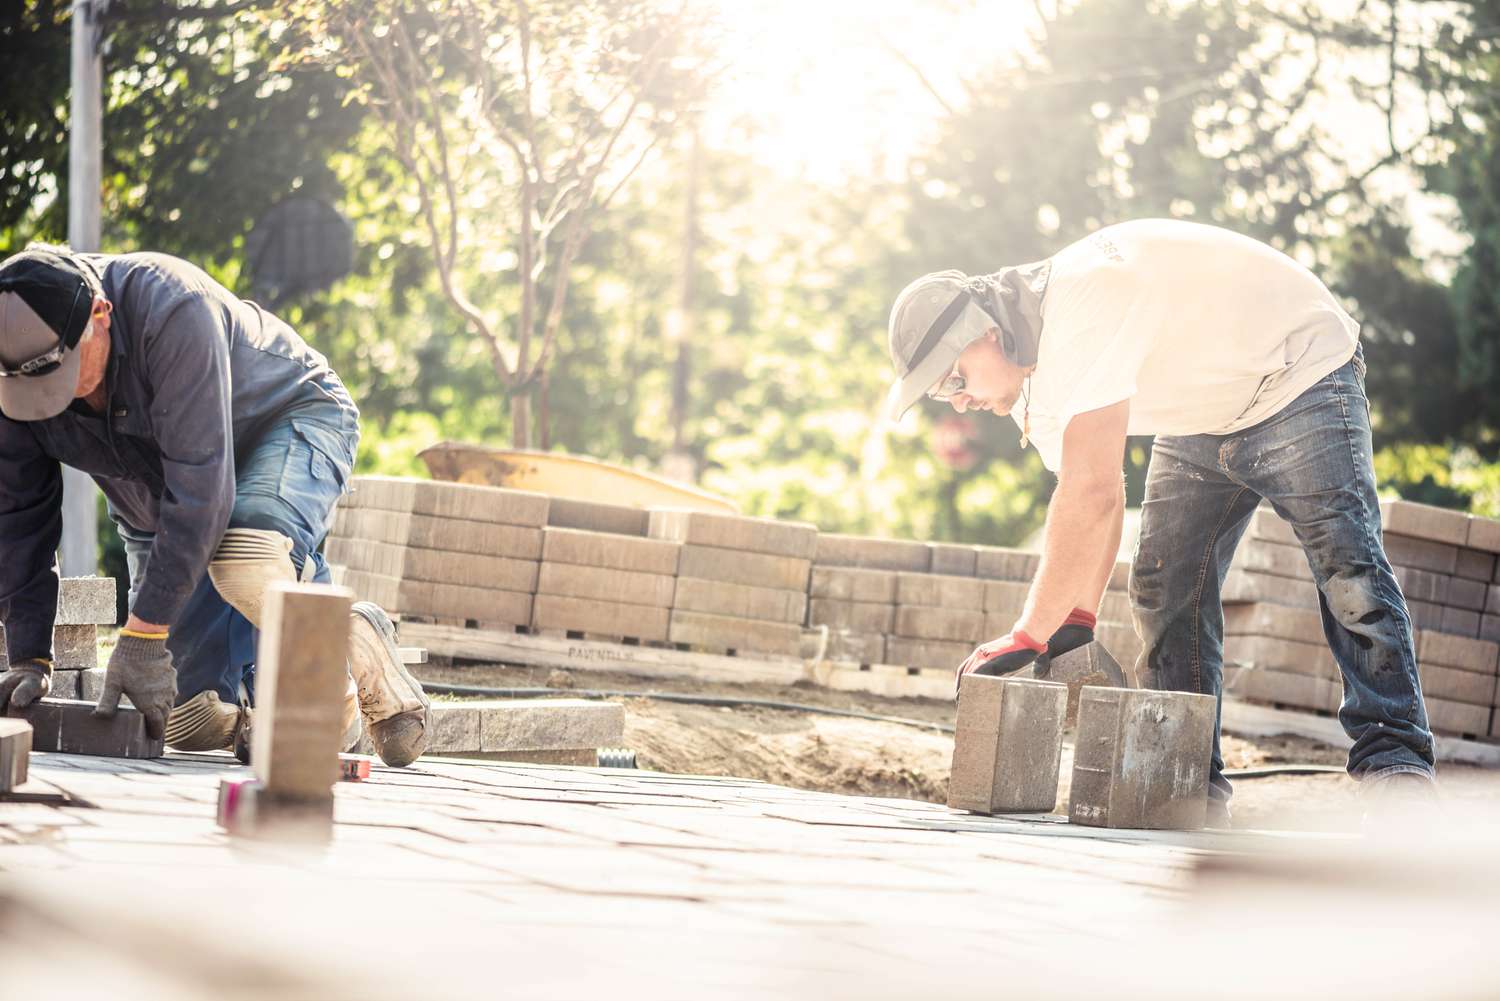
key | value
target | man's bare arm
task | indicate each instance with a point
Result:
(1083, 521)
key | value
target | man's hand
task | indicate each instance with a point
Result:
(141, 668)
(1077, 630)
(1005, 655)
(23, 684)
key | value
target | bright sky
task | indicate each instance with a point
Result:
(824, 87)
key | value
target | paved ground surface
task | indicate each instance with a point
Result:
(552, 881)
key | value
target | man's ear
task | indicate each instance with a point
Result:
(101, 306)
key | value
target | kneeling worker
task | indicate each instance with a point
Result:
(222, 443)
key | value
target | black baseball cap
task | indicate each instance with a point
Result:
(46, 295)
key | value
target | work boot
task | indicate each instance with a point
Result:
(391, 701)
(352, 728)
(1218, 817)
(1399, 801)
(203, 723)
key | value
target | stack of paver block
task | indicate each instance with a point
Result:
(84, 604)
(852, 595)
(1444, 560)
(605, 585)
(741, 582)
(446, 552)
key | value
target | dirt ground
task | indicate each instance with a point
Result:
(878, 758)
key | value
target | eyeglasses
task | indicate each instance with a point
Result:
(951, 385)
(49, 360)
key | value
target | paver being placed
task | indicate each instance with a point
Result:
(86, 601)
(1142, 759)
(69, 727)
(1007, 745)
(15, 752)
(730, 531)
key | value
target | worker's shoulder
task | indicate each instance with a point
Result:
(149, 267)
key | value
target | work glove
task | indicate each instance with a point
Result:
(1077, 630)
(25, 682)
(141, 668)
(1005, 655)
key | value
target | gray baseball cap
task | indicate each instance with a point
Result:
(45, 299)
(933, 320)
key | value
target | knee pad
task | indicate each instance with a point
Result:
(246, 562)
(203, 723)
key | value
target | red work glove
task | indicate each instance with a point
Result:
(1005, 655)
(1077, 630)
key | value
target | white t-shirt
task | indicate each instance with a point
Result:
(1203, 330)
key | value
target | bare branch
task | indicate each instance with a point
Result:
(916, 70)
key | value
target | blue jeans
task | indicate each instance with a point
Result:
(1313, 463)
(289, 482)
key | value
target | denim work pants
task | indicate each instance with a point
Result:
(289, 482)
(1313, 463)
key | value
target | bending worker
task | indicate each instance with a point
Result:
(222, 443)
(1251, 376)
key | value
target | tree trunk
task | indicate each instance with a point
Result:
(543, 413)
(520, 420)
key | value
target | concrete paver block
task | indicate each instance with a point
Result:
(952, 624)
(1457, 718)
(1423, 521)
(604, 618)
(86, 601)
(1119, 577)
(1457, 651)
(1489, 628)
(843, 646)
(994, 563)
(853, 584)
(1421, 554)
(702, 629)
(1425, 615)
(732, 531)
(74, 648)
(738, 567)
(1006, 596)
(614, 552)
(91, 686)
(1124, 645)
(1469, 594)
(1484, 533)
(1116, 608)
(449, 500)
(870, 617)
(1456, 685)
(953, 560)
(422, 531)
(66, 684)
(68, 727)
(935, 654)
(435, 565)
(548, 724)
(1475, 564)
(1267, 525)
(1460, 621)
(1246, 586)
(453, 727)
(1142, 759)
(300, 682)
(1273, 558)
(593, 516)
(573, 580)
(745, 601)
(1287, 688)
(939, 591)
(15, 753)
(1007, 746)
(871, 553)
(1302, 625)
(1423, 585)
(1268, 652)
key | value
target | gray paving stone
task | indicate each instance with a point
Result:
(1457, 651)
(616, 552)
(1142, 759)
(1273, 558)
(1421, 554)
(867, 617)
(1468, 594)
(1271, 653)
(939, 591)
(1423, 521)
(726, 632)
(1007, 746)
(1484, 534)
(953, 560)
(1302, 625)
(1475, 564)
(926, 653)
(449, 500)
(604, 618)
(737, 567)
(729, 531)
(871, 553)
(1006, 596)
(1460, 621)
(960, 625)
(994, 563)
(1457, 718)
(453, 728)
(853, 584)
(15, 753)
(1269, 526)
(549, 724)
(1244, 587)
(574, 580)
(426, 532)
(68, 727)
(1285, 687)
(66, 684)
(435, 565)
(1470, 687)
(744, 601)
(843, 646)
(592, 516)
(86, 601)
(1423, 585)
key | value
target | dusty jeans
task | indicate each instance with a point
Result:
(289, 482)
(1313, 463)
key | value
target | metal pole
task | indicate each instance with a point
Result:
(79, 553)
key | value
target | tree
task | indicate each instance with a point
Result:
(516, 124)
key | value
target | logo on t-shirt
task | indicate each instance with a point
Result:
(1107, 247)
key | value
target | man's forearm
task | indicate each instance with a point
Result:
(1082, 537)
